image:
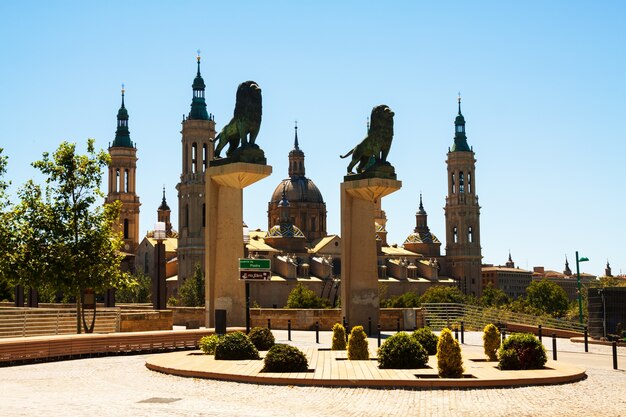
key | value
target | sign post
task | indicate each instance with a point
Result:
(251, 270)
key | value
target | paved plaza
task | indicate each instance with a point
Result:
(123, 386)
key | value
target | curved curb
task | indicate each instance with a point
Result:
(186, 365)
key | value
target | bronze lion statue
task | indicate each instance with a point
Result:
(246, 119)
(376, 144)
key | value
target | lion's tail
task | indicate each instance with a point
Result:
(348, 154)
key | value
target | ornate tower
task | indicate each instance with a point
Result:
(463, 251)
(122, 172)
(197, 140)
(163, 215)
(422, 240)
(307, 207)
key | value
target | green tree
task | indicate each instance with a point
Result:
(138, 290)
(302, 297)
(191, 293)
(6, 236)
(442, 294)
(65, 239)
(547, 297)
(493, 297)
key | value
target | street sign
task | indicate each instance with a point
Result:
(254, 275)
(254, 264)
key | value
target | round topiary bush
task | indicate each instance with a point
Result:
(521, 351)
(339, 337)
(235, 346)
(262, 338)
(402, 351)
(427, 339)
(449, 361)
(285, 358)
(208, 343)
(491, 341)
(357, 344)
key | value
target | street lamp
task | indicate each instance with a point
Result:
(580, 295)
(158, 284)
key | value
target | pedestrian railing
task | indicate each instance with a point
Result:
(23, 321)
(450, 315)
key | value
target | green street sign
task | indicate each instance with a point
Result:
(254, 264)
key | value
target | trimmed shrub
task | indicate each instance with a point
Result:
(208, 343)
(427, 339)
(521, 351)
(285, 358)
(449, 361)
(339, 337)
(302, 297)
(491, 341)
(235, 346)
(402, 351)
(262, 338)
(357, 344)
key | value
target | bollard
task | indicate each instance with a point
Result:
(369, 326)
(553, 346)
(614, 344)
(398, 324)
(586, 334)
(378, 335)
(539, 332)
(456, 333)
(289, 330)
(269, 324)
(462, 333)
(317, 332)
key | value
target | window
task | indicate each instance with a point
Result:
(461, 183)
(126, 231)
(453, 185)
(117, 180)
(205, 157)
(469, 182)
(455, 237)
(194, 156)
(470, 235)
(186, 222)
(203, 215)
(126, 181)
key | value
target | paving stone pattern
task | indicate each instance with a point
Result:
(122, 386)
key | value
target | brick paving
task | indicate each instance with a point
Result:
(123, 386)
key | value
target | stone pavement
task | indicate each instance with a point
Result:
(123, 386)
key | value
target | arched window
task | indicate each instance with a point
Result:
(461, 183)
(453, 184)
(126, 181)
(469, 182)
(186, 158)
(203, 215)
(117, 180)
(186, 222)
(126, 229)
(205, 157)
(455, 236)
(194, 156)
(470, 235)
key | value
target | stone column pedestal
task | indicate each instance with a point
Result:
(359, 265)
(224, 238)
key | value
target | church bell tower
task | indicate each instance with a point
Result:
(463, 251)
(197, 143)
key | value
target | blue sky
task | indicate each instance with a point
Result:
(543, 90)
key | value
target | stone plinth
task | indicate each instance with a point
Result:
(224, 238)
(359, 266)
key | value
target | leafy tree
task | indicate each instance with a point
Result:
(302, 297)
(138, 290)
(493, 297)
(442, 294)
(409, 299)
(191, 293)
(547, 297)
(5, 233)
(65, 240)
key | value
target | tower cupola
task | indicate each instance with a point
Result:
(198, 102)
(296, 158)
(122, 134)
(460, 139)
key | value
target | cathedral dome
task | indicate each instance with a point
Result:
(298, 190)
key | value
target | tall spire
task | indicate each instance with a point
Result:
(122, 134)
(421, 208)
(198, 103)
(460, 139)
(164, 205)
(567, 271)
(296, 157)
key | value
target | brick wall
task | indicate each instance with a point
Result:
(146, 321)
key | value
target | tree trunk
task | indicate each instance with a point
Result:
(78, 312)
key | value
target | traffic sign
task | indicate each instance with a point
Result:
(254, 264)
(254, 275)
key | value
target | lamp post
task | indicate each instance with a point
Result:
(246, 240)
(158, 285)
(580, 295)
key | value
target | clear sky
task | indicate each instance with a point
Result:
(543, 87)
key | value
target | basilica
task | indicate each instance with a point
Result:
(296, 239)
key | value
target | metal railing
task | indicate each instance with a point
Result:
(23, 322)
(449, 315)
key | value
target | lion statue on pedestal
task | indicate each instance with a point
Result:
(246, 120)
(375, 147)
